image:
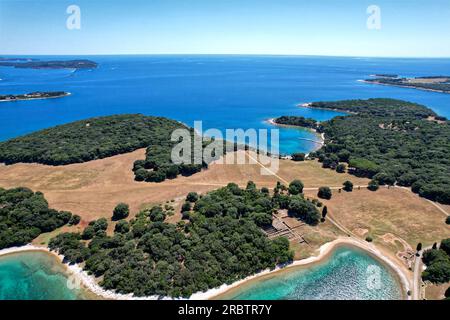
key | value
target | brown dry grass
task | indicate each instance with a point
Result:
(93, 189)
(391, 216)
(435, 292)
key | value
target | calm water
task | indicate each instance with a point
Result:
(345, 275)
(222, 91)
(34, 276)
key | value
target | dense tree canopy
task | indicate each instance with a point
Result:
(296, 121)
(438, 263)
(221, 242)
(391, 141)
(89, 139)
(24, 215)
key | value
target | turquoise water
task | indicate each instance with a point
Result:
(222, 91)
(34, 276)
(349, 274)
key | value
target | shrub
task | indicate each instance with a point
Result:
(324, 193)
(373, 185)
(348, 186)
(296, 187)
(121, 211)
(192, 197)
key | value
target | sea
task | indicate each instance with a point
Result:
(224, 92)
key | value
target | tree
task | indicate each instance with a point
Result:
(340, 168)
(445, 246)
(74, 220)
(419, 247)
(298, 157)
(295, 187)
(186, 207)
(304, 210)
(373, 185)
(88, 233)
(324, 193)
(121, 211)
(122, 227)
(157, 214)
(348, 186)
(192, 197)
(324, 213)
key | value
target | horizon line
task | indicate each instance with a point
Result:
(227, 54)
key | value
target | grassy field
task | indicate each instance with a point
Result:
(394, 218)
(94, 188)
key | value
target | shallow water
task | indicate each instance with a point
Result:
(348, 274)
(35, 276)
(222, 91)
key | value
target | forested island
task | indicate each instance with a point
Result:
(296, 121)
(219, 241)
(390, 141)
(24, 215)
(36, 64)
(34, 96)
(430, 83)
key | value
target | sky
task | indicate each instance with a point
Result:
(407, 28)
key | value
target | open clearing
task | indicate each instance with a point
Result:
(94, 188)
(395, 218)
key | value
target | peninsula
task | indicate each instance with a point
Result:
(69, 64)
(33, 96)
(429, 83)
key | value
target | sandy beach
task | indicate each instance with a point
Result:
(323, 253)
(89, 282)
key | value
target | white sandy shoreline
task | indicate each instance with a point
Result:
(90, 283)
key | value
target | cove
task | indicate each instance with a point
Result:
(35, 275)
(348, 273)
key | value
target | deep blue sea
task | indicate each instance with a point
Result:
(225, 92)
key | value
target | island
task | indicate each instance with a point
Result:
(69, 64)
(428, 83)
(34, 96)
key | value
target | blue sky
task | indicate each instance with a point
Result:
(409, 28)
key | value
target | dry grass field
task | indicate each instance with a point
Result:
(395, 218)
(94, 188)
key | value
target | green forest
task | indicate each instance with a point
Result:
(296, 121)
(390, 141)
(437, 261)
(90, 139)
(103, 137)
(24, 215)
(219, 240)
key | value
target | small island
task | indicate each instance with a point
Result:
(428, 83)
(31, 64)
(33, 96)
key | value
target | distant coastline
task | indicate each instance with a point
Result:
(34, 96)
(403, 86)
